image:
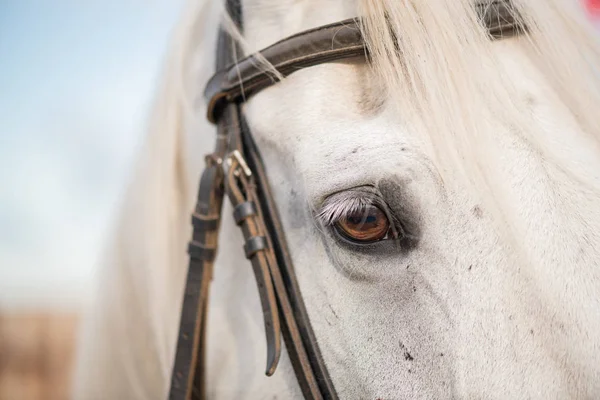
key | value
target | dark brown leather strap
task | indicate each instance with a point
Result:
(240, 188)
(301, 344)
(500, 18)
(187, 379)
(236, 168)
(316, 46)
(202, 250)
(247, 187)
(333, 42)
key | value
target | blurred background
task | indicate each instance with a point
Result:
(76, 81)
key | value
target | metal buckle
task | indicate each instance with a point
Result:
(241, 163)
(212, 160)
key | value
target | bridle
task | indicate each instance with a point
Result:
(235, 168)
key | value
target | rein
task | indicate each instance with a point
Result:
(235, 169)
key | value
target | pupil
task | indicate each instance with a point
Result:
(354, 220)
(362, 219)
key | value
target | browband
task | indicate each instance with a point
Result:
(316, 46)
(333, 42)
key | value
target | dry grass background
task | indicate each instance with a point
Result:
(36, 355)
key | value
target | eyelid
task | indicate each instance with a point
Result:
(341, 204)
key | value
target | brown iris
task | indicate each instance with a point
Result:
(368, 224)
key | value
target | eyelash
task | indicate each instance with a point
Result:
(332, 211)
(341, 205)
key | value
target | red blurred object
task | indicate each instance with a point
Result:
(593, 7)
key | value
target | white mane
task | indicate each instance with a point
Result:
(453, 87)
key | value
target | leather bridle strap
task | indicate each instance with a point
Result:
(333, 42)
(316, 46)
(235, 168)
(187, 379)
(247, 188)
(301, 343)
(265, 246)
(254, 211)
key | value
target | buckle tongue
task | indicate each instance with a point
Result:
(236, 160)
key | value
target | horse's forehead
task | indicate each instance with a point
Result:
(332, 115)
(323, 94)
(267, 21)
(316, 120)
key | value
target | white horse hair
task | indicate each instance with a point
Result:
(487, 152)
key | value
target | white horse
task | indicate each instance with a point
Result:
(487, 155)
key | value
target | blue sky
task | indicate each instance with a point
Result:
(76, 80)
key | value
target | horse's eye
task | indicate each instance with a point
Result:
(365, 225)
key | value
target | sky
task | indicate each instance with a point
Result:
(76, 82)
